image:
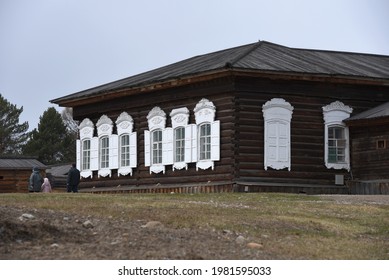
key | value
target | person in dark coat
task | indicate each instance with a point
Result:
(73, 179)
(35, 181)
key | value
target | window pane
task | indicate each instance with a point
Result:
(205, 141)
(125, 150)
(104, 152)
(85, 155)
(336, 144)
(179, 142)
(157, 146)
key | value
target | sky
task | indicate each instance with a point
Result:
(52, 48)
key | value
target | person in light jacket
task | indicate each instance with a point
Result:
(46, 186)
(35, 181)
(73, 179)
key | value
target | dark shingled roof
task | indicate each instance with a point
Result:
(20, 163)
(261, 56)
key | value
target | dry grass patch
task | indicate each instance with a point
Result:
(289, 226)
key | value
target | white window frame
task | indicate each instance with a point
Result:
(180, 120)
(157, 121)
(277, 148)
(86, 153)
(205, 112)
(104, 131)
(334, 114)
(205, 142)
(156, 146)
(124, 150)
(86, 129)
(125, 126)
(104, 152)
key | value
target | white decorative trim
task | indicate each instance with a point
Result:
(86, 123)
(179, 117)
(204, 111)
(124, 171)
(204, 164)
(104, 126)
(337, 106)
(157, 168)
(277, 108)
(86, 129)
(180, 165)
(86, 173)
(156, 118)
(124, 123)
(104, 172)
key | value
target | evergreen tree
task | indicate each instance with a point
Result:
(51, 142)
(13, 135)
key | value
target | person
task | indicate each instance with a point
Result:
(36, 181)
(73, 179)
(46, 186)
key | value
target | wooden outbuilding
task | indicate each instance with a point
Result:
(15, 173)
(258, 117)
(369, 134)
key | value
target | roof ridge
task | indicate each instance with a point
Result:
(254, 46)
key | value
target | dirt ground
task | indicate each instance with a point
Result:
(45, 234)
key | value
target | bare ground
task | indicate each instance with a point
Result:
(48, 234)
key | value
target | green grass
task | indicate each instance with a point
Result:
(289, 226)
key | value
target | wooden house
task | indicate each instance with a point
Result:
(15, 173)
(258, 117)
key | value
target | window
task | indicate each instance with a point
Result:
(182, 138)
(156, 143)
(336, 136)
(179, 144)
(125, 150)
(108, 147)
(104, 152)
(127, 144)
(206, 150)
(87, 149)
(205, 141)
(336, 144)
(277, 114)
(85, 155)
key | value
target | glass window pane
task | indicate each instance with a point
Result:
(205, 141)
(179, 142)
(157, 146)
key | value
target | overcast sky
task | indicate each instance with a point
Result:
(52, 48)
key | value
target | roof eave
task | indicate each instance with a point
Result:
(99, 96)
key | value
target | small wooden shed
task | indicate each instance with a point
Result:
(15, 173)
(369, 133)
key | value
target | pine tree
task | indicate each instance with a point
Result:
(13, 135)
(51, 142)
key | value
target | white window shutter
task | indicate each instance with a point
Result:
(167, 146)
(147, 148)
(113, 151)
(194, 142)
(215, 140)
(78, 154)
(188, 144)
(133, 161)
(94, 153)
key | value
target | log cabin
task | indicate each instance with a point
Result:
(257, 117)
(15, 173)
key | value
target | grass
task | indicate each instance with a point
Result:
(289, 226)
